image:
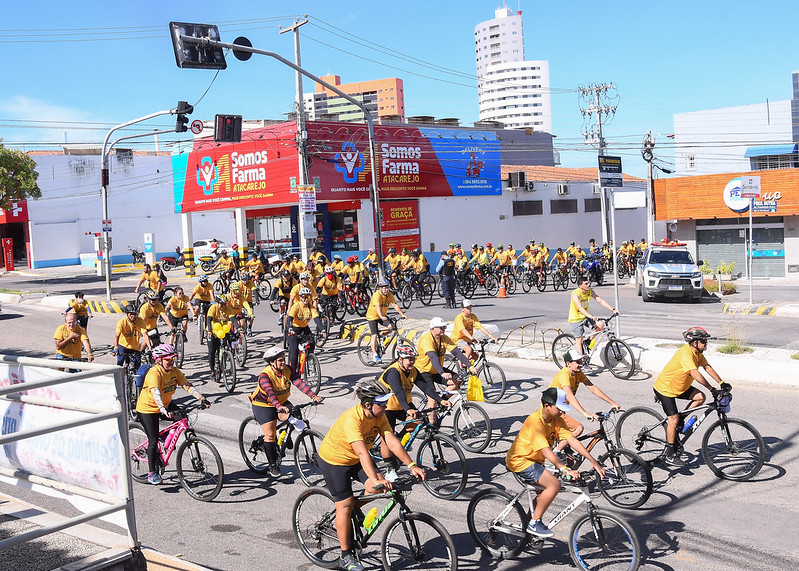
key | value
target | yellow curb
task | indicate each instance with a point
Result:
(358, 332)
(345, 333)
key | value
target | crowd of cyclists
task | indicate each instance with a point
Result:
(301, 292)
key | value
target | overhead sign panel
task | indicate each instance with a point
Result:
(610, 174)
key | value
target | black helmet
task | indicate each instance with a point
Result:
(696, 334)
(220, 299)
(151, 295)
(475, 246)
(129, 308)
(417, 251)
(370, 390)
(392, 250)
(285, 274)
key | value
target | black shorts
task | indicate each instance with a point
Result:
(338, 479)
(373, 323)
(669, 404)
(176, 321)
(433, 379)
(395, 416)
(264, 414)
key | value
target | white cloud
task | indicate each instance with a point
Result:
(25, 120)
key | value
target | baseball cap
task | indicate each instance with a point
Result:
(556, 397)
(437, 322)
(467, 303)
(573, 355)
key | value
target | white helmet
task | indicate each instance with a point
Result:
(437, 322)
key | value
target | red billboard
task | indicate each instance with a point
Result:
(399, 225)
(17, 213)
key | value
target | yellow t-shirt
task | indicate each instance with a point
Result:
(149, 313)
(283, 288)
(381, 301)
(179, 306)
(281, 385)
(574, 315)
(328, 286)
(535, 435)
(354, 272)
(351, 426)
(130, 333)
(73, 348)
(676, 377)
(218, 315)
(80, 308)
(295, 292)
(226, 264)
(255, 267)
(468, 323)
(559, 258)
(406, 379)
(338, 266)
(439, 346)
(246, 289)
(301, 315)
(564, 378)
(153, 280)
(203, 293)
(165, 381)
(393, 261)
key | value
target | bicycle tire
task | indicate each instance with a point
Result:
(617, 548)
(416, 540)
(264, 289)
(361, 304)
(313, 521)
(445, 464)
(341, 310)
(274, 305)
(199, 458)
(201, 327)
(306, 457)
(472, 426)
(137, 455)
(406, 295)
(494, 382)
(492, 285)
(240, 351)
(324, 331)
(251, 445)
(619, 359)
(745, 448)
(219, 286)
(527, 282)
(621, 269)
(131, 395)
(141, 299)
(228, 370)
(364, 349)
(560, 345)
(510, 285)
(312, 375)
(179, 347)
(541, 282)
(503, 539)
(425, 293)
(642, 430)
(628, 479)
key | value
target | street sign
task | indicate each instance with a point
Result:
(307, 197)
(196, 126)
(750, 187)
(106, 225)
(610, 175)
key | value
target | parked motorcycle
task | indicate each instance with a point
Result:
(138, 257)
(171, 262)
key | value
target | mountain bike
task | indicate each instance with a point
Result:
(535, 277)
(412, 540)
(617, 355)
(440, 456)
(415, 287)
(356, 302)
(308, 364)
(471, 423)
(628, 478)
(179, 339)
(201, 325)
(598, 539)
(732, 448)
(388, 339)
(131, 388)
(199, 465)
(306, 460)
(560, 277)
(490, 374)
(225, 369)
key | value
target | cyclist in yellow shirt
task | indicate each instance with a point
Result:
(70, 338)
(571, 249)
(491, 252)
(177, 312)
(558, 259)
(377, 311)
(151, 277)
(249, 296)
(150, 312)
(129, 337)
(81, 308)
(329, 287)
(299, 316)
(544, 252)
(201, 296)
(296, 266)
(432, 347)
(338, 264)
(579, 316)
(642, 245)
(227, 266)
(305, 282)
(464, 327)
(217, 313)
(393, 263)
(255, 267)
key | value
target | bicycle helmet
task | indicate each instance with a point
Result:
(371, 250)
(417, 251)
(437, 322)
(371, 391)
(164, 351)
(304, 291)
(406, 352)
(392, 250)
(273, 353)
(572, 243)
(234, 286)
(337, 257)
(220, 299)
(129, 308)
(151, 295)
(295, 255)
(202, 278)
(382, 283)
(560, 250)
(500, 247)
(350, 259)
(305, 276)
(329, 270)
(354, 258)
(245, 276)
(285, 274)
(475, 246)
(510, 246)
(287, 258)
(696, 334)
(488, 244)
(457, 245)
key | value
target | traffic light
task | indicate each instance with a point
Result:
(182, 110)
(227, 129)
(193, 54)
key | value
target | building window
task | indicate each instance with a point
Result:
(528, 207)
(773, 162)
(690, 162)
(593, 205)
(563, 206)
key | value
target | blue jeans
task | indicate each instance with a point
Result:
(135, 356)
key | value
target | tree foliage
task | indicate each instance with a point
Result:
(17, 177)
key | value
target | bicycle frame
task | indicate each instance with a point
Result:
(683, 437)
(533, 489)
(168, 445)
(359, 537)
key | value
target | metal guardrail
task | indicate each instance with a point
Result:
(92, 414)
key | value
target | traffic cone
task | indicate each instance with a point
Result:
(502, 293)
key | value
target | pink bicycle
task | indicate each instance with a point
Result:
(199, 465)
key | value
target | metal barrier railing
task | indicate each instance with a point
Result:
(91, 413)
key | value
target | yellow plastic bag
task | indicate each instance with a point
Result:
(474, 390)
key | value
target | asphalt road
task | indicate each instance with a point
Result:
(692, 521)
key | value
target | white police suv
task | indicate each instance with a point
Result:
(668, 270)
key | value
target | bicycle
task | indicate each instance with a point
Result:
(306, 460)
(598, 539)
(560, 278)
(490, 374)
(199, 466)
(225, 369)
(628, 479)
(416, 287)
(131, 389)
(617, 355)
(387, 342)
(732, 448)
(356, 302)
(308, 364)
(201, 315)
(179, 340)
(471, 424)
(411, 540)
(440, 455)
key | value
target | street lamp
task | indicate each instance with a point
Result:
(197, 46)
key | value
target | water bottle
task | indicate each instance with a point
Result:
(688, 424)
(370, 517)
(281, 437)
(405, 438)
(592, 343)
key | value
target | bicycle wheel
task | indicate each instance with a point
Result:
(312, 375)
(733, 449)
(564, 280)
(510, 285)
(201, 328)
(602, 540)
(527, 282)
(228, 369)
(425, 293)
(541, 283)
(137, 443)
(643, 431)
(264, 289)
(341, 310)
(313, 521)
(179, 348)
(628, 479)
(306, 457)
(493, 379)
(200, 469)
(445, 464)
(418, 541)
(361, 304)
(131, 395)
(504, 537)
(556, 281)
(251, 445)
(219, 286)
(321, 335)
(492, 285)
(472, 427)
(406, 295)
(560, 345)
(619, 359)
(240, 351)
(365, 349)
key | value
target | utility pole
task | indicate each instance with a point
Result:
(301, 139)
(648, 155)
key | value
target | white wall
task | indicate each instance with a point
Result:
(791, 245)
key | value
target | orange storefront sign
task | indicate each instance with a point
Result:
(714, 196)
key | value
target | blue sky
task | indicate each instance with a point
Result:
(72, 70)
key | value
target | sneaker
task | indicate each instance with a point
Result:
(349, 563)
(537, 528)
(274, 471)
(377, 358)
(673, 460)
(154, 478)
(391, 475)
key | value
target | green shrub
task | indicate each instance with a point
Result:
(712, 286)
(725, 268)
(734, 346)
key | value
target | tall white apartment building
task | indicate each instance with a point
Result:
(511, 90)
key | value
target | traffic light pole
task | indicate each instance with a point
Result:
(374, 191)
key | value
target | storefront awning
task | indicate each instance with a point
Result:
(764, 150)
